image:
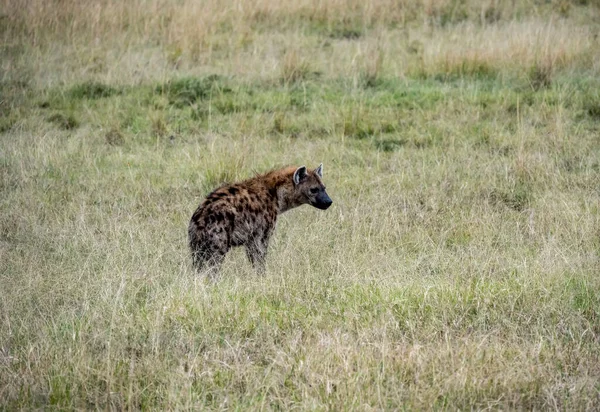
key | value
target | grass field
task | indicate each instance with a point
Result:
(458, 267)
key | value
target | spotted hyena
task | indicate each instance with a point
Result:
(244, 214)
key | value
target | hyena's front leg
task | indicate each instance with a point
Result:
(256, 250)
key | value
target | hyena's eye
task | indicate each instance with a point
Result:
(314, 190)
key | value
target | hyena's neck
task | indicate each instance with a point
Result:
(280, 181)
(285, 199)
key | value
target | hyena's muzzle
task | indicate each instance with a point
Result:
(322, 200)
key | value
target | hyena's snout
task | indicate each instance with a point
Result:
(323, 201)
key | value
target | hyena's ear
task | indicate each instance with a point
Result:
(299, 174)
(319, 171)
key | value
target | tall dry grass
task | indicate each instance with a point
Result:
(457, 268)
(164, 20)
(130, 41)
(551, 45)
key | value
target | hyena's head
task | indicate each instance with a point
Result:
(309, 187)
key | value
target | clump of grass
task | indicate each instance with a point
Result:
(593, 110)
(415, 47)
(458, 67)
(200, 112)
(563, 7)
(222, 173)
(517, 198)
(175, 56)
(278, 122)
(229, 105)
(92, 90)
(586, 301)
(64, 121)
(339, 29)
(7, 122)
(159, 126)
(446, 13)
(189, 90)
(300, 98)
(114, 137)
(345, 32)
(389, 145)
(283, 125)
(358, 128)
(540, 75)
(491, 13)
(371, 74)
(591, 106)
(469, 68)
(294, 68)
(362, 122)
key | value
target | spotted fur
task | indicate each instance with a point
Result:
(245, 213)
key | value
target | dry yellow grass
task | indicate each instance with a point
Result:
(457, 268)
(125, 42)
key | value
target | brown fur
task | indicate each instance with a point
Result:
(245, 213)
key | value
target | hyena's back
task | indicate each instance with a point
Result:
(232, 215)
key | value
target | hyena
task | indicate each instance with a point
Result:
(245, 213)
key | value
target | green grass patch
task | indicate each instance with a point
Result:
(189, 90)
(64, 121)
(92, 90)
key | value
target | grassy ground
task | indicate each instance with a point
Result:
(457, 268)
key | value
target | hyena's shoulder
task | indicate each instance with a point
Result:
(248, 196)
